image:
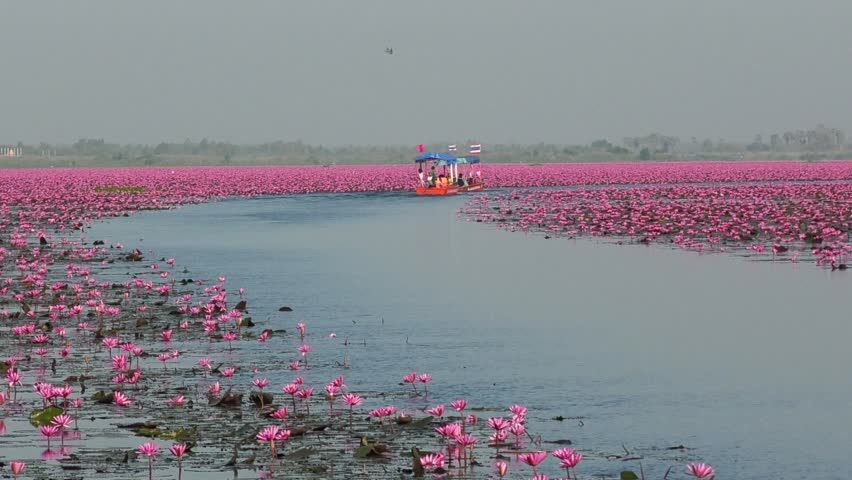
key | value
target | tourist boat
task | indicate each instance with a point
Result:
(437, 159)
(450, 171)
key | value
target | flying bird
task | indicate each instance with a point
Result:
(389, 51)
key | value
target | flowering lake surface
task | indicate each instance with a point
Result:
(739, 361)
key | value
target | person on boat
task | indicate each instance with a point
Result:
(420, 175)
(461, 182)
(432, 177)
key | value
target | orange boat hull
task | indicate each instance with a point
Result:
(437, 191)
(473, 188)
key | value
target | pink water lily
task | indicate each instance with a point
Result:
(149, 449)
(700, 470)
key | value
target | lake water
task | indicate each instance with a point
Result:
(745, 362)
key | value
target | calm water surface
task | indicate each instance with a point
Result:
(746, 362)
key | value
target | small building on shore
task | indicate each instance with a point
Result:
(7, 151)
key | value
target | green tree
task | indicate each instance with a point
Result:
(645, 154)
(602, 144)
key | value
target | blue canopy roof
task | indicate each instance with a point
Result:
(425, 157)
(468, 160)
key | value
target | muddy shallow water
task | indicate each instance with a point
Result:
(743, 362)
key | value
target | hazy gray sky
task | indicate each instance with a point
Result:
(498, 71)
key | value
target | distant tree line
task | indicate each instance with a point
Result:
(814, 144)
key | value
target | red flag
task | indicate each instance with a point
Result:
(421, 148)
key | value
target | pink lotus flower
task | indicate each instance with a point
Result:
(498, 437)
(437, 411)
(62, 421)
(432, 460)
(178, 450)
(304, 349)
(519, 413)
(272, 434)
(502, 468)
(499, 423)
(290, 389)
(17, 468)
(450, 430)
(120, 399)
(571, 460)
(280, 414)
(700, 470)
(149, 449)
(49, 431)
(533, 459)
(352, 400)
(331, 390)
(563, 453)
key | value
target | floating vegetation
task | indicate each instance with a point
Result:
(121, 189)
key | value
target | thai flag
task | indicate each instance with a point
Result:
(451, 148)
(475, 149)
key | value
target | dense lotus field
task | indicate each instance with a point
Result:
(781, 221)
(71, 198)
(117, 366)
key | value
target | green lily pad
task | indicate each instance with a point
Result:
(180, 435)
(102, 397)
(43, 417)
(424, 422)
(299, 454)
(370, 449)
(363, 451)
(628, 475)
(148, 432)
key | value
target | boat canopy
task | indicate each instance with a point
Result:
(429, 156)
(470, 160)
